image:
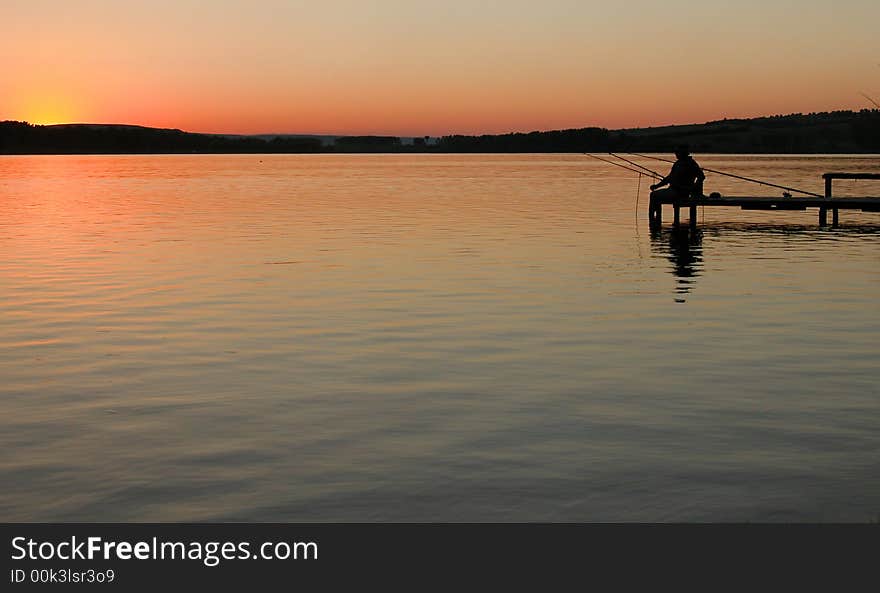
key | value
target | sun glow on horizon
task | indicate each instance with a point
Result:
(49, 109)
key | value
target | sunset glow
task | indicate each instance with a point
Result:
(413, 68)
(50, 108)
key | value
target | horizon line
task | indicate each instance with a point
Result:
(326, 134)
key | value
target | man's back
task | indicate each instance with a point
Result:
(684, 180)
(685, 174)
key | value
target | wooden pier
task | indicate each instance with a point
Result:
(824, 204)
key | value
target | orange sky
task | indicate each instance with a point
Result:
(416, 67)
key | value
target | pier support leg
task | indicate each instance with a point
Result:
(693, 216)
(655, 213)
(834, 218)
(823, 212)
(676, 219)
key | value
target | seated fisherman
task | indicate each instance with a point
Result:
(684, 180)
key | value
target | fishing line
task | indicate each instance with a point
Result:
(638, 192)
(636, 219)
(794, 189)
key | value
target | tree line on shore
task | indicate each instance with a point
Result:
(827, 132)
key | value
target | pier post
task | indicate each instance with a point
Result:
(823, 212)
(676, 219)
(693, 216)
(655, 213)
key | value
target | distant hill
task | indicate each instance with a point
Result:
(834, 132)
(831, 132)
(25, 138)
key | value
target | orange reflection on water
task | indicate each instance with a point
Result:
(369, 337)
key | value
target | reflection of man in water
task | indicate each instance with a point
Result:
(685, 253)
(684, 249)
(685, 179)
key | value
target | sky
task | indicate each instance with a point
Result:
(416, 67)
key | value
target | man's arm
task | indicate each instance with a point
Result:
(666, 180)
(661, 183)
(698, 185)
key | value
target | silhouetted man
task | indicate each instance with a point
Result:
(685, 179)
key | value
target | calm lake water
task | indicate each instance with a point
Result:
(432, 338)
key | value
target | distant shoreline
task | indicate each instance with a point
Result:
(837, 132)
(440, 153)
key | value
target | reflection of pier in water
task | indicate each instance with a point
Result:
(682, 246)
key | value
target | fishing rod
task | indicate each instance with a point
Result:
(635, 164)
(639, 188)
(794, 189)
(652, 174)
